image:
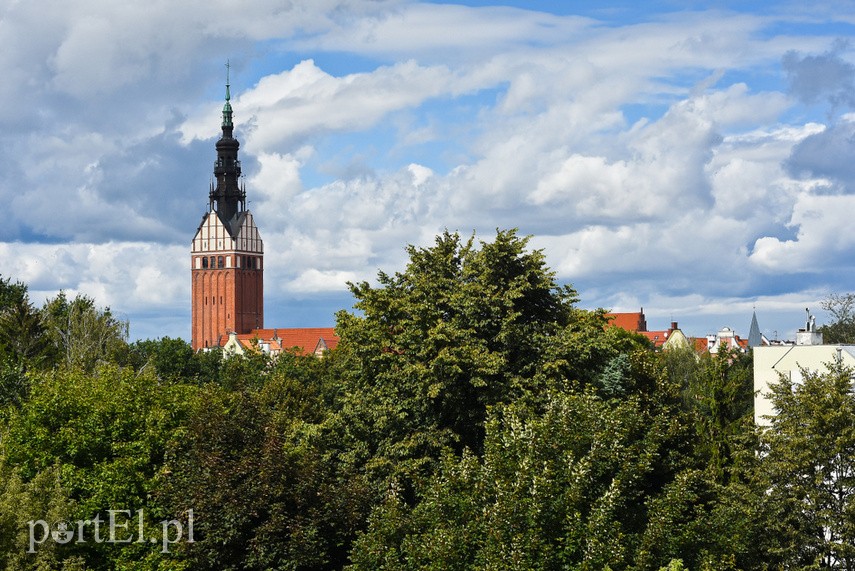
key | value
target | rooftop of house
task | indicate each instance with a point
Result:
(300, 340)
(635, 322)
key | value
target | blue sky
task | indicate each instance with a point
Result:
(693, 159)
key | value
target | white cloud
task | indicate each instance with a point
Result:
(278, 178)
(128, 276)
(314, 281)
(445, 28)
(652, 160)
(824, 237)
(306, 101)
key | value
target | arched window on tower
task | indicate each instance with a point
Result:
(220, 262)
(204, 263)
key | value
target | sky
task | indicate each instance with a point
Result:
(694, 159)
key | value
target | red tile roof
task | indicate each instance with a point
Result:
(305, 340)
(700, 344)
(634, 322)
(655, 337)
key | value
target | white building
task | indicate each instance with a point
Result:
(808, 354)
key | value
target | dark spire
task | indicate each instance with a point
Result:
(227, 198)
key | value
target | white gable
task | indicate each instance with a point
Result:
(212, 236)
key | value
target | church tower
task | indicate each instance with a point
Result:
(227, 254)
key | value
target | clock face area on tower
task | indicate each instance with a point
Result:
(227, 254)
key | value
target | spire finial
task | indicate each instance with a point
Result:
(228, 69)
(227, 108)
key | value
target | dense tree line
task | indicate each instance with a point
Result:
(472, 417)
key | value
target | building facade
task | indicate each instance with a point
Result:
(227, 253)
(791, 361)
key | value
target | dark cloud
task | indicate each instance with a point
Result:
(824, 77)
(162, 179)
(827, 155)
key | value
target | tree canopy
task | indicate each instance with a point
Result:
(473, 417)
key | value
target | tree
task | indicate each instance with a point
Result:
(809, 459)
(172, 359)
(841, 329)
(718, 392)
(11, 293)
(462, 328)
(23, 335)
(88, 443)
(24, 342)
(253, 465)
(82, 333)
(567, 488)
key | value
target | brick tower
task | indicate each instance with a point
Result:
(226, 253)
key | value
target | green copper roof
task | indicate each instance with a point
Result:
(227, 114)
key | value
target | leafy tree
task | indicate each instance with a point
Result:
(251, 465)
(565, 489)
(711, 515)
(809, 459)
(41, 498)
(14, 385)
(23, 341)
(586, 353)
(841, 329)
(22, 334)
(83, 334)
(718, 390)
(172, 359)
(11, 293)
(461, 328)
(100, 439)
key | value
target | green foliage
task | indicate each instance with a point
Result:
(102, 438)
(718, 389)
(172, 359)
(841, 328)
(471, 418)
(251, 466)
(11, 293)
(14, 385)
(462, 328)
(23, 337)
(82, 334)
(41, 498)
(585, 353)
(564, 489)
(810, 465)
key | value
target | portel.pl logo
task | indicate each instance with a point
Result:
(118, 530)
